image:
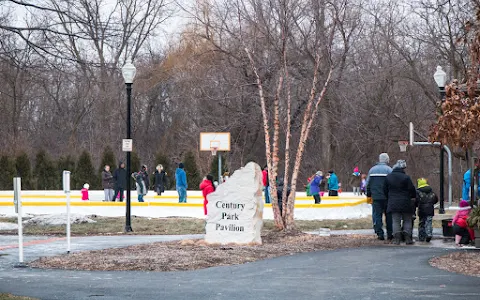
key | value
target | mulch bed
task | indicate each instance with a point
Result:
(195, 254)
(463, 262)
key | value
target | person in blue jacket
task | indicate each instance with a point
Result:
(466, 185)
(181, 183)
(315, 187)
(333, 184)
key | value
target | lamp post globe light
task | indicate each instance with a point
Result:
(128, 72)
(440, 78)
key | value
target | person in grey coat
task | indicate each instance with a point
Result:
(107, 183)
(374, 183)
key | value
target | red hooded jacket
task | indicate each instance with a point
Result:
(207, 187)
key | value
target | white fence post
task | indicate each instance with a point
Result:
(17, 200)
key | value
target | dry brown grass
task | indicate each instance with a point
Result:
(173, 226)
(12, 297)
(169, 226)
(463, 262)
(192, 255)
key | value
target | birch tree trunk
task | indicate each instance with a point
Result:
(271, 157)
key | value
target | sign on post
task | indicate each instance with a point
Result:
(66, 181)
(17, 187)
(127, 145)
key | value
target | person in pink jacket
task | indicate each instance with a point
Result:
(84, 191)
(207, 186)
(463, 234)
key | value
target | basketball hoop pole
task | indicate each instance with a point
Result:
(220, 178)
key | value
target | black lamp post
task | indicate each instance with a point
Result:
(128, 72)
(440, 79)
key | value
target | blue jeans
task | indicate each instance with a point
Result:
(379, 209)
(182, 195)
(267, 195)
(140, 198)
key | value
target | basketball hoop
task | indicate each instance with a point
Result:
(214, 150)
(214, 145)
(403, 145)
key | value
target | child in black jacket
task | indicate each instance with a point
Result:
(425, 201)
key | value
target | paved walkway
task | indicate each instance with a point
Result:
(381, 273)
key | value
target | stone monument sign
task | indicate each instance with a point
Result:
(235, 209)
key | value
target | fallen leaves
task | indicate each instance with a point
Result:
(192, 255)
(463, 262)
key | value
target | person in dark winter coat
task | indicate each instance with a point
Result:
(143, 183)
(160, 180)
(355, 181)
(425, 201)
(400, 191)
(280, 188)
(120, 176)
(374, 186)
(108, 183)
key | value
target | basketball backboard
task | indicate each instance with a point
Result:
(218, 140)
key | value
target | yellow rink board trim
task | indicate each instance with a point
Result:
(166, 204)
(326, 198)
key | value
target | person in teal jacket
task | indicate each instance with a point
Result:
(333, 184)
(181, 183)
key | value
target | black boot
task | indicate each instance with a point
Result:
(398, 238)
(408, 239)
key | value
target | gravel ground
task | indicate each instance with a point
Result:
(463, 262)
(192, 255)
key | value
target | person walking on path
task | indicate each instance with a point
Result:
(107, 183)
(160, 180)
(266, 184)
(375, 180)
(355, 181)
(120, 176)
(207, 186)
(315, 187)
(333, 184)
(400, 193)
(181, 183)
(425, 201)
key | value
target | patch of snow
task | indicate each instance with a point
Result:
(8, 226)
(58, 219)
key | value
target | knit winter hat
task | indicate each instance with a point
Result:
(422, 182)
(319, 173)
(355, 170)
(181, 166)
(464, 203)
(384, 158)
(86, 186)
(401, 164)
